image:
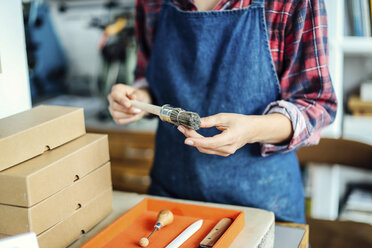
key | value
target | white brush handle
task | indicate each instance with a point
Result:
(153, 109)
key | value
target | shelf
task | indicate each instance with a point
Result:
(357, 45)
(358, 128)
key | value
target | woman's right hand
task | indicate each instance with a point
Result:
(121, 108)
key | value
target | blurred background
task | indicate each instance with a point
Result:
(77, 49)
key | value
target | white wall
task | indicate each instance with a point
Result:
(14, 82)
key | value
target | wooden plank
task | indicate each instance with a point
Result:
(338, 151)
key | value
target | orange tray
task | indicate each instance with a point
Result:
(139, 222)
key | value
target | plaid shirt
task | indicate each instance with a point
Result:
(297, 31)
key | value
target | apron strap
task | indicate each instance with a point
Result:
(258, 3)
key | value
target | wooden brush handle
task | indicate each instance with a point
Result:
(153, 109)
(216, 233)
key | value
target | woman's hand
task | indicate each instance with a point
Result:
(121, 108)
(237, 131)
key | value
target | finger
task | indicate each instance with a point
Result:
(192, 133)
(214, 142)
(226, 150)
(117, 107)
(121, 98)
(120, 93)
(132, 96)
(120, 115)
(109, 98)
(189, 133)
(212, 152)
(128, 120)
(134, 111)
(211, 121)
(223, 150)
(123, 88)
(116, 110)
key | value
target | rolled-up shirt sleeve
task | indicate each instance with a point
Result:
(307, 95)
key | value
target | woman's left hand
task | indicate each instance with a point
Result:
(237, 130)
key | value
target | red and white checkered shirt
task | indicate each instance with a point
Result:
(297, 31)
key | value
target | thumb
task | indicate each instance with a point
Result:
(211, 121)
(132, 96)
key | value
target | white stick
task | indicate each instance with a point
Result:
(153, 109)
(185, 235)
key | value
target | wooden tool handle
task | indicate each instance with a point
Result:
(165, 217)
(153, 109)
(216, 233)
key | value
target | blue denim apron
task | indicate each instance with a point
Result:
(219, 62)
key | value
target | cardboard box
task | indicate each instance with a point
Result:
(30, 133)
(35, 180)
(359, 107)
(40, 217)
(67, 231)
(128, 178)
(132, 147)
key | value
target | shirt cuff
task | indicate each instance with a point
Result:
(141, 83)
(301, 131)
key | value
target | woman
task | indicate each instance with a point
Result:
(257, 71)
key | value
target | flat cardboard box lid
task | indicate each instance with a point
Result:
(40, 217)
(29, 133)
(67, 231)
(36, 179)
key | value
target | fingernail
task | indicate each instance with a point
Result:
(181, 129)
(136, 110)
(189, 142)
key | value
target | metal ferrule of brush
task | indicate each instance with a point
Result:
(165, 113)
(178, 116)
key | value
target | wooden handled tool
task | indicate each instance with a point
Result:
(215, 233)
(153, 109)
(176, 116)
(165, 217)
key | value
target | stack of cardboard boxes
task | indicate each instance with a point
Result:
(54, 178)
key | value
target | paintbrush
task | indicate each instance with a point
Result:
(176, 116)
